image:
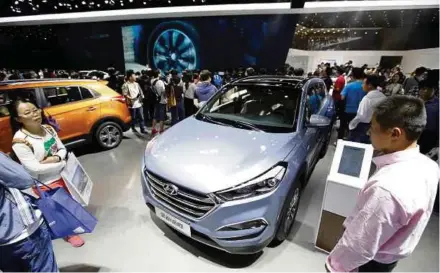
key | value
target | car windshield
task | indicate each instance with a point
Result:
(254, 107)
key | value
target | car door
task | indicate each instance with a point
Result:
(75, 109)
(5, 128)
(311, 134)
(328, 110)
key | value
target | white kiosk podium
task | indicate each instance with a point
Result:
(349, 172)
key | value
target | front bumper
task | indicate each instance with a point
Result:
(246, 241)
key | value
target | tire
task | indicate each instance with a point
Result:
(288, 216)
(174, 45)
(108, 135)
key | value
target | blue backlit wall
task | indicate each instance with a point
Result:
(212, 42)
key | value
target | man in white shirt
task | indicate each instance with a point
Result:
(133, 95)
(361, 123)
(160, 110)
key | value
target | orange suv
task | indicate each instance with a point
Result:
(86, 110)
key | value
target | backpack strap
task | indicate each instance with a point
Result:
(23, 141)
(50, 129)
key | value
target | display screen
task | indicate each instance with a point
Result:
(351, 161)
(214, 43)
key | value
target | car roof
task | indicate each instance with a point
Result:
(26, 83)
(275, 80)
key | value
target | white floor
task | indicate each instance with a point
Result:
(129, 238)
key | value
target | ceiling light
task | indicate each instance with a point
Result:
(83, 2)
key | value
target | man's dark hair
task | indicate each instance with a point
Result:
(250, 71)
(156, 73)
(129, 73)
(358, 73)
(405, 112)
(340, 70)
(374, 80)
(328, 71)
(420, 70)
(298, 72)
(174, 72)
(205, 75)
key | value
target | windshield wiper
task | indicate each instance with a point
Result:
(209, 119)
(248, 125)
(239, 123)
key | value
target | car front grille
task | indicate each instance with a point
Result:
(186, 202)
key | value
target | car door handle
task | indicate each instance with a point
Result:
(91, 108)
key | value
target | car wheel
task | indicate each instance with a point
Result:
(288, 214)
(109, 135)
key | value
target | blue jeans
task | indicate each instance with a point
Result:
(177, 112)
(33, 254)
(359, 134)
(137, 116)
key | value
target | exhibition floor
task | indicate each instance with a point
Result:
(129, 238)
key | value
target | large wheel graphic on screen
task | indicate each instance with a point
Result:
(174, 45)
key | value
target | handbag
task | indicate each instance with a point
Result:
(64, 216)
(172, 98)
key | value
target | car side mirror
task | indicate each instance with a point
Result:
(318, 121)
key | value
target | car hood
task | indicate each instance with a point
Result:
(207, 157)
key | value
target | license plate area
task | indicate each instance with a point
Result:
(174, 222)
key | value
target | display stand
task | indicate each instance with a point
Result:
(348, 174)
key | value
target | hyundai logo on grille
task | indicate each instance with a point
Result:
(170, 189)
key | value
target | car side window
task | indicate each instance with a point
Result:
(4, 111)
(61, 95)
(314, 98)
(86, 93)
(22, 93)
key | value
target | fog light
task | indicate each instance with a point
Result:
(245, 225)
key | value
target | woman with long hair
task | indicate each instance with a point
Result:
(39, 149)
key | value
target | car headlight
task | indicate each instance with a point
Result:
(266, 182)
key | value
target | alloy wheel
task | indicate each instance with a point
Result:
(291, 211)
(173, 49)
(110, 136)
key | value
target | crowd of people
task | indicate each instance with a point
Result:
(393, 125)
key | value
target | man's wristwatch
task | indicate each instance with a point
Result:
(59, 158)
